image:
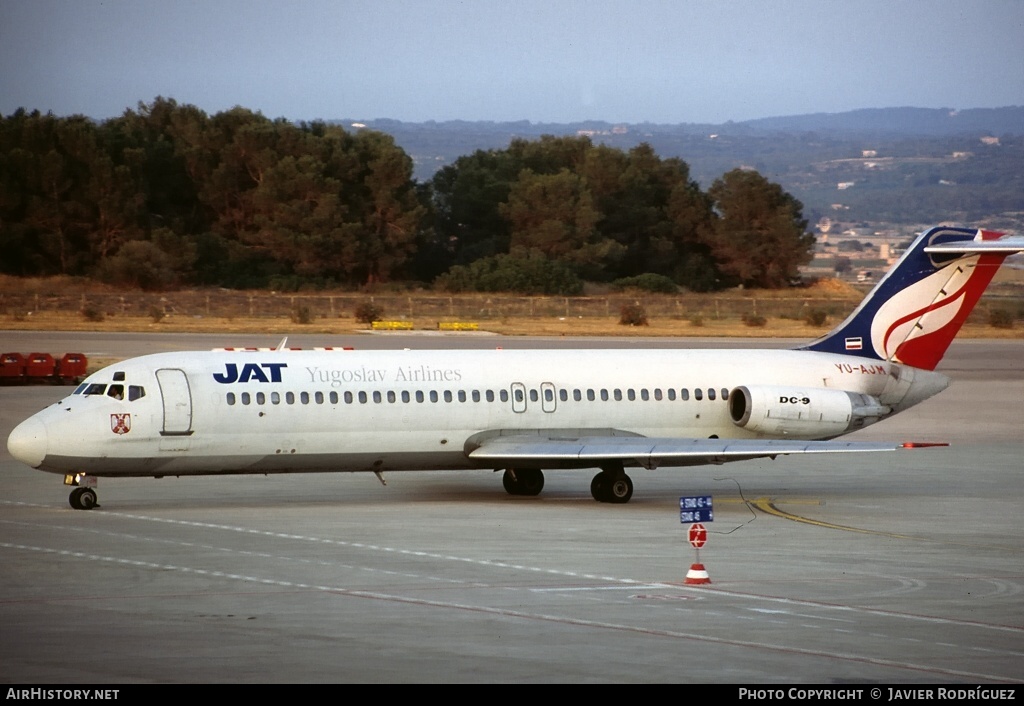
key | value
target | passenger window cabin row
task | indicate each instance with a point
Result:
(517, 394)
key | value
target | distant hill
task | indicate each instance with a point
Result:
(898, 165)
(435, 144)
(905, 122)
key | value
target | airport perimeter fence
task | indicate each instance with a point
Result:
(420, 308)
(428, 309)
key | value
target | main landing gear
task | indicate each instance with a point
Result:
(612, 485)
(523, 481)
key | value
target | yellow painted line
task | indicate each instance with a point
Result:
(767, 506)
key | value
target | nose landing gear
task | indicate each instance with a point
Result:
(83, 497)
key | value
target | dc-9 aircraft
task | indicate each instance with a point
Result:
(293, 411)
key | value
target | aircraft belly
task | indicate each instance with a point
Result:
(105, 466)
(242, 463)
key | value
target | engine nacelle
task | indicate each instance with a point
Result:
(802, 412)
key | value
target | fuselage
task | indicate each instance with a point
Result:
(217, 412)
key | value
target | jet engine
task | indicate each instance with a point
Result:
(802, 412)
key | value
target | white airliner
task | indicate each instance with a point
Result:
(291, 411)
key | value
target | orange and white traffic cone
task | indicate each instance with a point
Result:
(697, 575)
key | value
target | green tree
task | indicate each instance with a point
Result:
(689, 255)
(147, 264)
(656, 213)
(634, 213)
(760, 237)
(392, 213)
(609, 213)
(467, 196)
(554, 215)
(550, 154)
(66, 203)
(307, 201)
(233, 199)
(153, 142)
(524, 274)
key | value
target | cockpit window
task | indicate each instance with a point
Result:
(116, 391)
(96, 388)
(135, 392)
(80, 389)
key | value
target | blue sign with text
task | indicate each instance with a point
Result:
(696, 509)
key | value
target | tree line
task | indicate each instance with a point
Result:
(166, 195)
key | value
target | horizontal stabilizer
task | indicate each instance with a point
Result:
(1007, 245)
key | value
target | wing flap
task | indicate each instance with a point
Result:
(652, 452)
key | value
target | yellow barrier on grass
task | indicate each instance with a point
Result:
(391, 325)
(457, 326)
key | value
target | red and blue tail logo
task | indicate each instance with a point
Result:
(914, 313)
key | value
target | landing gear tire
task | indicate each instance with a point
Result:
(511, 483)
(523, 481)
(619, 490)
(531, 481)
(606, 488)
(83, 499)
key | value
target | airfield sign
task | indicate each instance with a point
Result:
(697, 535)
(696, 509)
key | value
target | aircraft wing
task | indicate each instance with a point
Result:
(588, 451)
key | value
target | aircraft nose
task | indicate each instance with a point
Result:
(27, 442)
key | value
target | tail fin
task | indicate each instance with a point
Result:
(914, 312)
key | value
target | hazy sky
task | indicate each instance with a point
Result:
(555, 60)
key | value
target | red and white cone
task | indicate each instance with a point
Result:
(697, 575)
